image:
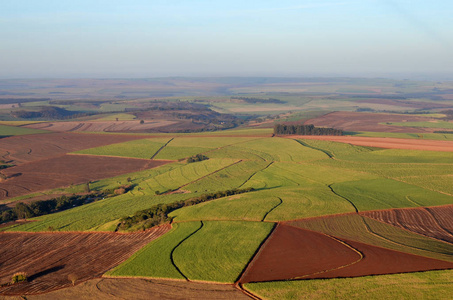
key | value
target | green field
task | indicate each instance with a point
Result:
(220, 250)
(434, 285)
(6, 130)
(154, 260)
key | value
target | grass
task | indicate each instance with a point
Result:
(120, 117)
(220, 250)
(437, 124)
(259, 203)
(154, 260)
(371, 194)
(144, 148)
(435, 285)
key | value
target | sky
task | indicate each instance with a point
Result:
(160, 38)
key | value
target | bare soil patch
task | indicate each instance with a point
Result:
(49, 258)
(143, 289)
(65, 170)
(356, 121)
(25, 148)
(294, 253)
(435, 222)
(389, 143)
(381, 261)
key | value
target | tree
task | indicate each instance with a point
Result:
(142, 122)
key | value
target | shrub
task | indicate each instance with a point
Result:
(19, 277)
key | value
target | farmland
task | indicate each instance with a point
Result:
(239, 211)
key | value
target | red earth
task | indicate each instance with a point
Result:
(295, 253)
(50, 258)
(25, 148)
(389, 143)
(65, 170)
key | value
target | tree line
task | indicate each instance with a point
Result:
(158, 214)
(280, 129)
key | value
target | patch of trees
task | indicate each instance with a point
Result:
(259, 100)
(158, 214)
(444, 132)
(43, 207)
(49, 112)
(280, 129)
(196, 158)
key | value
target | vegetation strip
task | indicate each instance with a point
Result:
(328, 153)
(277, 205)
(158, 214)
(160, 149)
(332, 190)
(173, 250)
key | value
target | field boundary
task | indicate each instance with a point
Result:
(161, 148)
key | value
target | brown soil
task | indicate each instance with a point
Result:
(143, 289)
(294, 253)
(381, 261)
(25, 148)
(49, 258)
(355, 121)
(65, 170)
(436, 222)
(389, 143)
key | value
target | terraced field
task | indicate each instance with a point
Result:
(340, 209)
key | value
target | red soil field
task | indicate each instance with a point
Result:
(294, 253)
(381, 261)
(389, 143)
(27, 148)
(49, 258)
(435, 222)
(356, 121)
(66, 170)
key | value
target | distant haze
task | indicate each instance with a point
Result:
(139, 38)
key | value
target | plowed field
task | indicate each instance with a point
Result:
(49, 258)
(298, 253)
(292, 252)
(436, 222)
(389, 143)
(20, 149)
(66, 170)
(356, 121)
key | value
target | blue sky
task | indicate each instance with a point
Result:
(97, 38)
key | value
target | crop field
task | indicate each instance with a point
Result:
(423, 285)
(6, 130)
(307, 208)
(235, 243)
(73, 256)
(144, 148)
(66, 170)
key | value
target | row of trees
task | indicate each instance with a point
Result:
(259, 100)
(158, 214)
(305, 130)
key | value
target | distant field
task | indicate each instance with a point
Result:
(144, 148)
(437, 124)
(6, 130)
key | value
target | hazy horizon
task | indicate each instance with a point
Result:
(148, 39)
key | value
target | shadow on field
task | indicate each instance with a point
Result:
(45, 272)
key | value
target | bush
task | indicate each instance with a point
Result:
(19, 277)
